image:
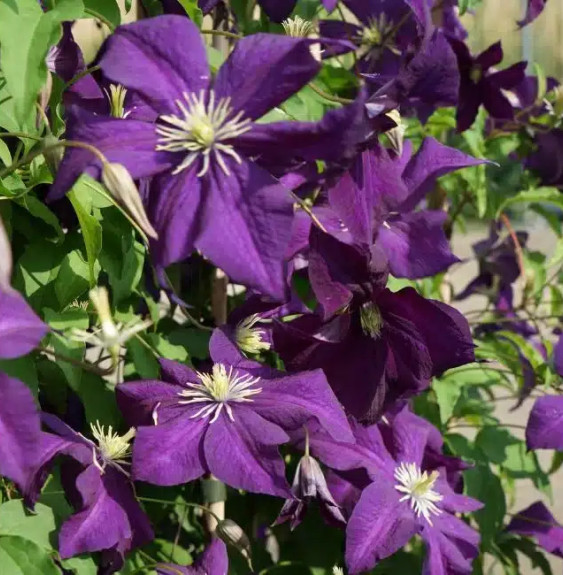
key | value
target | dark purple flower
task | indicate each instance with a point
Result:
(207, 194)
(213, 561)
(545, 425)
(479, 85)
(533, 10)
(20, 328)
(108, 516)
(228, 422)
(404, 493)
(536, 521)
(65, 58)
(309, 485)
(20, 430)
(375, 346)
(546, 161)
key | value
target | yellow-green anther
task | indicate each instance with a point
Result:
(116, 98)
(476, 74)
(249, 338)
(371, 320)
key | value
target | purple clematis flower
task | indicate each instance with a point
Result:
(20, 328)
(533, 10)
(404, 492)
(276, 10)
(200, 148)
(213, 561)
(20, 431)
(478, 85)
(108, 516)
(65, 58)
(309, 484)
(545, 424)
(546, 161)
(375, 346)
(227, 422)
(537, 521)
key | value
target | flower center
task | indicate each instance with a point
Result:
(297, 27)
(201, 130)
(248, 338)
(371, 320)
(417, 488)
(116, 97)
(113, 449)
(476, 73)
(217, 389)
(377, 31)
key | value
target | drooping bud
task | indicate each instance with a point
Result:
(5, 259)
(249, 338)
(110, 332)
(120, 184)
(309, 484)
(371, 320)
(297, 27)
(396, 135)
(232, 534)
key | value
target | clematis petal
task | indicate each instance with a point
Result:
(379, 526)
(160, 58)
(128, 142)
(20, 431)
(243, 453)
(558, 356)
(263, 71)
(170, 453)
(293, 400)
(20, 328)
(223, 350)
(545, 425)
(213, 561)
(533, 10)
(278, 10)
(415, 244)
(245, 226)
(490, 57)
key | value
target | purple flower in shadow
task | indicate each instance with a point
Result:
(213, 561)
(108, 517)
(227, 422)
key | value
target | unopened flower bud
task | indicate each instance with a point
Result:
(232, 534)
(52, 153)
(5, 259)
(118, 181)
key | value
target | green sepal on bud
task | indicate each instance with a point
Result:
(232, 534)
(117, 179)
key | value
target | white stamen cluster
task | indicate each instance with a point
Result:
(297, 27)
(201, 130)
(377, 31)
(249, 338)
(217, 389)
(418, 489)
(116, 97)
(113, 449)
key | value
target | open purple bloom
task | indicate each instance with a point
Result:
(545, 424)
(20, 431)
(533, 10)
(207, 193)
(227, 422)
(309, 485)
(479, 85)
(537, 521)
(375, 346)
(108, 516)
(213, 561)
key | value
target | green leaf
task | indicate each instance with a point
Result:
(91, 232)
(494, 443)
(38, 209)
(37, 527)
(23, 368)
(539, 195)
(73, 318)
(107, 11)
(447, 394)
(193, 11)
(73, 278)
(19, 556)
(557, 256)
(25, 37)
(81, 565)
(5, 156)
(145, 362)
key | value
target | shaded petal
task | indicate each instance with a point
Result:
(176, 373)
(379, 526)
(468, 106)
(495, 102)
(65, 59)
(170, 453)
(19, 430)
(338, 30)
(174, 206)
(545, 425)
(128, 142)
(558, 356)
(510, 77)
(538, 522)
(263, 71)
(409, 437)
(246, 226)
(277, 10)
(490, 57)
(533, 10)
(20, 328)
(223, 350)
(213, 561)
(293, 400)
(416, 245)
(160, 58)
(432, 161)
(451, 546)
(243, 453)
